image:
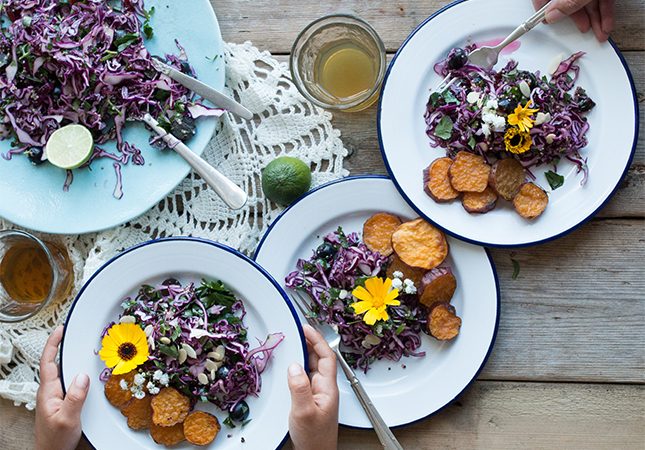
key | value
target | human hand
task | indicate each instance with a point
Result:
(58, 416)
(313, 420)
(597, 15)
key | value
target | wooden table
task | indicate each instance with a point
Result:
(568, 367)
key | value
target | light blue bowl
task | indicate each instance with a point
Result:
(33, 197)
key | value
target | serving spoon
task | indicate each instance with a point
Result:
(233, 195)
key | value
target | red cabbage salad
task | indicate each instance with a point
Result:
(198, 343)
(84, 62)
(534, 118)
(340, 264)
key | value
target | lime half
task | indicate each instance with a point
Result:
(69, 147)
(285, 179)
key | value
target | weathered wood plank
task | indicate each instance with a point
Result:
(489, 415)
(576, 310)
(275, 25)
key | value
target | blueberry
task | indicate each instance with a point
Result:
(325, 250)
(182, 127)
(457, 59)
(222, 372)
(240, 411)
(507, 105)
(171, 282)
(35, 155)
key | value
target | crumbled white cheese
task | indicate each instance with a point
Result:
(472, 97)
(541, 118)
(550, 138)
(491, 104)
(486, 129)
(202, 378)
(370, 341)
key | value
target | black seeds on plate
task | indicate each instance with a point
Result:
(229, 436)
(242, 440)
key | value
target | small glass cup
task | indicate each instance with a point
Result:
(33, 274)
(318, 39)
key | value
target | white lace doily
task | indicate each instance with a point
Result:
(285, 123)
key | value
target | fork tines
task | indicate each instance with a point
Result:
(302, 304)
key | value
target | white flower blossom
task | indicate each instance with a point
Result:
(124, 385)
(397, 283)
(408, 282)
(139, 394)
(150, 385)
(139, 379)
(343, 294)
(164, 380)
(397, 274)
(154, 390)
(410, 289)
(157, 375)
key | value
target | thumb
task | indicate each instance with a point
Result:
(559, 9)
(75, 397)
(300, 387)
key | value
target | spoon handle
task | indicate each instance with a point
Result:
(228, 191)
(525, 27)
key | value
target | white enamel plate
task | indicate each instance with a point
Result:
(613, 122)
(412, 388)
(186, 259)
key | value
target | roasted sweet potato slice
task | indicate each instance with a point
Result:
(169, 407)
(138, 412)
(377, 232)
(437, 182)
(479, 202)
(413, 273)
(115, 394)
(439, 285)
(201, 428)
(167, 436)
(506, 178)
(469, 172)
(419, 244)
(443, 323)
(531, 201)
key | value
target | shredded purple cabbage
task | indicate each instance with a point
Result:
(345, 264)
(562, 136)
(204, 318)
(84, 62)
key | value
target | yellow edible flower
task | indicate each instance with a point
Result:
(374, 298)
(522, 117)
(517, 141)
(124, 347)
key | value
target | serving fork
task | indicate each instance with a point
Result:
(487, 56)
(330, 334)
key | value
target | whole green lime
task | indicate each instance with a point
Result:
(285, 179)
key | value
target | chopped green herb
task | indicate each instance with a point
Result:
(124, 41)
(147, 30)
(444, 128)
(400, 329)
(434, 98)
(555, 180)
(472, 142)
(229, 422)
(212, 59)
(449, 97)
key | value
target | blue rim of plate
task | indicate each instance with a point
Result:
(226, 248)
(488, 244)
(490, 261)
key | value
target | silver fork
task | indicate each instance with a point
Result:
(330, 333)
(487, 57)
